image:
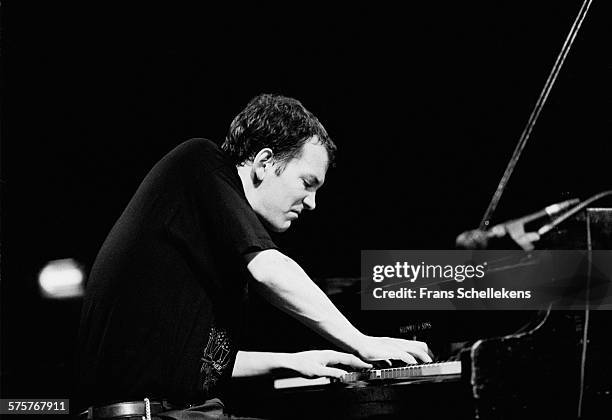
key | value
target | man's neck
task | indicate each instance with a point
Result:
(246, 177)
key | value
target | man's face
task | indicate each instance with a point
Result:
(281, 198)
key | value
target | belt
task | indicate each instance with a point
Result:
(145, 409)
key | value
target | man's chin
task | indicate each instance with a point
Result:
(283, 228)
(278, 228)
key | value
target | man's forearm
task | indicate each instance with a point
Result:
(283, 282)
(310, 364)
(259, 363)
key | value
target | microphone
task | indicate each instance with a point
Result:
(546, 211)
(548, 227)
(478, 238)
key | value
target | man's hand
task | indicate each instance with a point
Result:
(317, 363)
(386, 348)
(283, 282)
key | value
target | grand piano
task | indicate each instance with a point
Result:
(550, 363)
(489, 364)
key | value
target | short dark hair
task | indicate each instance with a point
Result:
(283, 124)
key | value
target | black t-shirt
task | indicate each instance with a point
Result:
(164, 301)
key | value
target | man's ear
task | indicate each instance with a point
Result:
(262, 163)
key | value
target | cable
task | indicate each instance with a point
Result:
(585, 328)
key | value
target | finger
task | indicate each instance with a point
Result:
(418, 349)
(423, 356)
(422, 345)
(351, 360)
(380, 363)
(332, 372)
(333, 357)
(360, 364)
(406, 358)
(430, 353)
(387, 361)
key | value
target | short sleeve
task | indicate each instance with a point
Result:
(227, 213)
(210, 215)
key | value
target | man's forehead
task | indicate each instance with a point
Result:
(313, 160)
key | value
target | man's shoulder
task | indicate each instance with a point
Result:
(198, 145)
(199, 152)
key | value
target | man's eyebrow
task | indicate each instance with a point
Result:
(313, 179)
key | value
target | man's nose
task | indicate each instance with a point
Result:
(309, 201)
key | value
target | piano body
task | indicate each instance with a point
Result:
(549, 364)
(503, 364)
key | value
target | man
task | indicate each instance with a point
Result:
(163, 309)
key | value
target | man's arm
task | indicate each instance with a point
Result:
(310, 364)
(285, 284)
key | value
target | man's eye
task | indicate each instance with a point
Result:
(306, 183)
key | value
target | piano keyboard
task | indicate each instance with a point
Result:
(406, 372)
(417, 371)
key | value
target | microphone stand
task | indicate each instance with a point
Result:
(478, 238)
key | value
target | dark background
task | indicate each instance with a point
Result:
(426, 104)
